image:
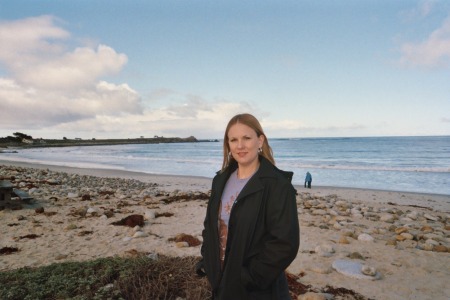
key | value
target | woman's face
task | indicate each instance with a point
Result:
(244, 144)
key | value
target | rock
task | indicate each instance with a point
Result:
(312, 296)
(343, 240)
(319, 212)
(440, 248)
(337, 226)
(368, 270)
(430, 217)
(388, 218)
(72, 195)
(400, 237)
(412, 215)
(321, 269)
(352, 269)
(71, 227)
(432, 236)
(153, 256)
(409, 244)
(400, 230)
(325, 250)
(427, 229)
(432, 242)
(426, 247)
(356, 255)
(150, 214)
(93, 211)
(364, 237)
(358, 216)
(182, 244)
(407, 235)
(108, 214)
(139, 234)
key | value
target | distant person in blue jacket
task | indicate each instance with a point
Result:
(308, 180)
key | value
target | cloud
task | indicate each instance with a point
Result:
(445, 120)
(422, 10)
(434, 51)
(73, 70)
(49, 84)
(209, 122)
(22, 107)
(24, 41)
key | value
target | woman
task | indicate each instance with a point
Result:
(251, 231)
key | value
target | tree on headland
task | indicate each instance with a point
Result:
(20, 136)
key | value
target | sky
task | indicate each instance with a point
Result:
(126, 69)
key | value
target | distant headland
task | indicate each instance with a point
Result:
(21, 140)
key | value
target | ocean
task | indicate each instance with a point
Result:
(410, 164)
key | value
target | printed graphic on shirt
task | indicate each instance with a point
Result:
(223, 224)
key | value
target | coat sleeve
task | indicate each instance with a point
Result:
(200, 266)
(281, 241)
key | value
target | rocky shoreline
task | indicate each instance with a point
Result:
(11, 142)
(375, 246)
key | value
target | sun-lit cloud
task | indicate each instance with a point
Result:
(57, 89)
(73, 70)
(48, 84)
(434, 51)
(210, 121)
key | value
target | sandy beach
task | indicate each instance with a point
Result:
(381, 244)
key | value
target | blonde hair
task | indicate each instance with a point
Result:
(252, 122)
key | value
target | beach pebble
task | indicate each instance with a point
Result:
(407, 235)
(318, 212)
(412, 215)
(127, 239)
(441, 248)
(139, 234)
(427, 229)
(430, 217)
(321, 269)
(364, 237)
(388, 218)
(400, 230)
(352, 269)
(182, 244)
(368, 270)
(426, 247)
(72, 195)
(409, 244)
(150, 214)
(153, 256)
(93, 210)
(356, 255)
(325, 250)
(343, 240)
(312, 296)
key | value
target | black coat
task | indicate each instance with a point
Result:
(263, 236)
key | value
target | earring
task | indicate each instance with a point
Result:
(259, 150)
(229, 155)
